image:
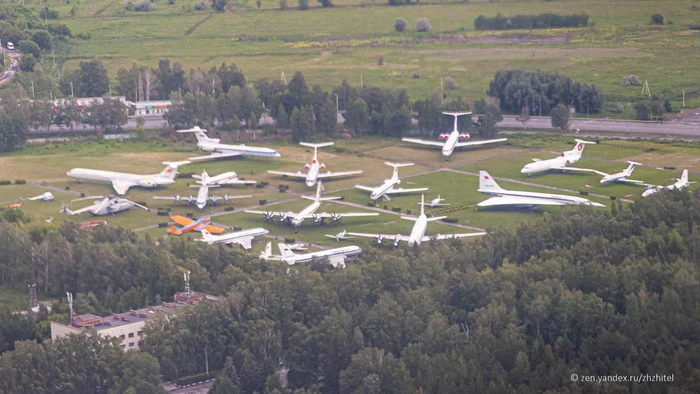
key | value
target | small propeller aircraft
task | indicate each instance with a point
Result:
(336, 257)
(192, 225)
(437, 202)
(340, 236)
(103, 206)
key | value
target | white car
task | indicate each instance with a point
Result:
(10, 46)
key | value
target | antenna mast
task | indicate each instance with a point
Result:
(187, 282)
(33, 302)
(70, 306)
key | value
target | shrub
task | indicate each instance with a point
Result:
(46, 13)
(219, 5)
(694, 26)
(657, 19)
(200, 6)
(283, 4)
(631, 80)
(423, 25)
(144, 6)
(262, 202)
(83, 36)
(59, 29)
(396, 209)
(163, 212)
(540, 21)
(303, 4)
(20, 182)
(5, 182)
(258, 3)
(29, 47)
(450, 83)
(400, 24)
(451, 220)
(228, 209)
(163, 224)
(399, 2)
(27, 63)
(326, 3)
(171, 2)
(290, 241)
(583, 192)
(129, 6)
(380, 60)
(416, 76)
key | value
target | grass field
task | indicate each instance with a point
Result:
(345, 41)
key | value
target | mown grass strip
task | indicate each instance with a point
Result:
(196, 25)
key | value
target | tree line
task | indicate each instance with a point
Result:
(541, 91)
(582, 291)
(539, 21)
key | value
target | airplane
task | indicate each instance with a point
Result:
(220, 150)
(616, 177)
(340, 236)
(310, 212)
(499, 196)
(437, 202)
(418, 232)
(388, 186)
(43, 197)
(122, 181)
(335, 256)
(17, 205)
(203, 194)
(243, 237)
(103, 206)
(453, 140)
(557, 163)
(192, 225)
(297, 247)
(680, 184)
(226, 178)
(313, 169)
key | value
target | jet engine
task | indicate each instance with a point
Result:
(306, 167)
(444, 137)
(464, 137)
(323, 166)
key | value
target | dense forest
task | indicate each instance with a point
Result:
(595, 293)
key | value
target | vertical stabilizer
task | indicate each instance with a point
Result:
(456, 117)
(630, 168)
(170, 170)
(684, 177)
(486, 182)
(285, 251)
(395, 175)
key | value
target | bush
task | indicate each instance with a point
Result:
(325, 3)
(631, 80)
(200, 6)
(5, 182)
(27, 63)
(20, 182)
(400, 24)
(423, 25)
(657, 19)
(83, 36)
(380, 60)
(228, 209)
(163, 224)
(396, 209)
(59, 29)
(416, 76)
(283, 4)
(129, 6)
(144, 6)
(258, 3)
(540, 21)
(451, 220)
(163, 212)
(303, 4)
(583, 192)
(219, 5)
(30, 48)
(399, 2)
(450, 83)
(694, 26)
(46, 13)
(262, 202)
(290, 241)
(171, 2)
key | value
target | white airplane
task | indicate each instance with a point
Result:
(204, 183)
(681, 183)
(297, 247)
(226, 178)
(418, 232)
(557, 163)
(43, 197)
(500, 197)
(105, 206)
(243, 237)
(621, 176)
(437, 202)
(313, 169)
(335, 256)
(220, 150)
(453, 140)
(388, 186)
(122, 181)
(310, 212)
(340, 236)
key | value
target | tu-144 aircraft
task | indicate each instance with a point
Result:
(313, 170)
(336, 257)
(558, 163)
(104, 206)
(243, 237)
(192, 225)
(455, 139)
(123, 181)
(295, 219)
(219, 150)
(388, 186)
(503, 197)
(418, 232)
(204, 183)
(681, 183)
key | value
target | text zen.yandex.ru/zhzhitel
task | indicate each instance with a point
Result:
(641, 378)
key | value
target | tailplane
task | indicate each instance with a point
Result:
(396, 166)
(316, 146)
(456, 117)
(318, 197)
(486, 182)
(200, 134)
(630, 168)
(170, 170)
(206, 235)
(265, 254)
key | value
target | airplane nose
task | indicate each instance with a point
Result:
(310, 183)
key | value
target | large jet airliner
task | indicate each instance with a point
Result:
(313, 169)
(454, 139)
(557, 163)
(219, 150)
(335, 256)
(388, 186)
(122, 181)
(681, 183)
(204, 183)
(243, 237)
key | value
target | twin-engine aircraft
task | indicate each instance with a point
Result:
(204, 183)
(453, 140)
(104, 206)
(295, 219)
(681, 183)
(558, 163)
(418, 232)
(336, 257)
(123, 181)
(313, 170)
(220, 151)
(388, 186)
(243, 237)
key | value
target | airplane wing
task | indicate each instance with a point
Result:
(631, 181)
(272, 213)
(290, 174)
(121, 187)
(244, 242)
(335, 174)
(580, 169)
(423, 142)
(338, 260)
(369, 189)
(214, 156)
(213, 229)
(341, 215)
(397, 191)
(496, 201)
(448, 236)
(164, 198)
(181, 220)
(473, 143)
(391, 237)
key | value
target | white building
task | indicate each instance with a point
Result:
(151, 108)
(127, 326)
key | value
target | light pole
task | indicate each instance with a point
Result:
(337, 109)
(71, 90)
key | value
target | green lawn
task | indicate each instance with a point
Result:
(13, 300)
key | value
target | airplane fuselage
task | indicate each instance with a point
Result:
(385, 187)
(451, 143)
(418, 230)
(307, 257)
(615, 177)
(233, 237)
(312, 175)
(222, 178)
(109, 176)
(310, 210)
(546, 165)
(565, 200)
(202, 197)
(239, 149)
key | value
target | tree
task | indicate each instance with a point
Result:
(282, 118)
(30, 48)
(302, 124)
(326, 117)
(357, 116)
(303, 4)
(400, 24)
(657, 19)
(423, 25)
(524, 116)
(219, 5)
(27, 62)
(641, 110)
(298, 89)
(560, 117)
(42, 38)
(326, 3)
(488, 121)
(223, 385)
(91, 79)
(108, 115)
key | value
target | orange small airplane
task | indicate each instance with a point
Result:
(19, 205)
(192, 225)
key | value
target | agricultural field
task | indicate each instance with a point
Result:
(44, 167)
(346, 41)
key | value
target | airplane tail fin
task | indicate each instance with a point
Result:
(396, 166)
(580, 144)
(684, 177)
(206, 235)
(171, 169)
(456, 117)
(633, 164)
(316, 146)
(200, 134)
(285, 251)
(486, 182)
(264, 255)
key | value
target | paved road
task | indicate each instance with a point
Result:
(666, 129)
(10, 71)
(197, 388)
